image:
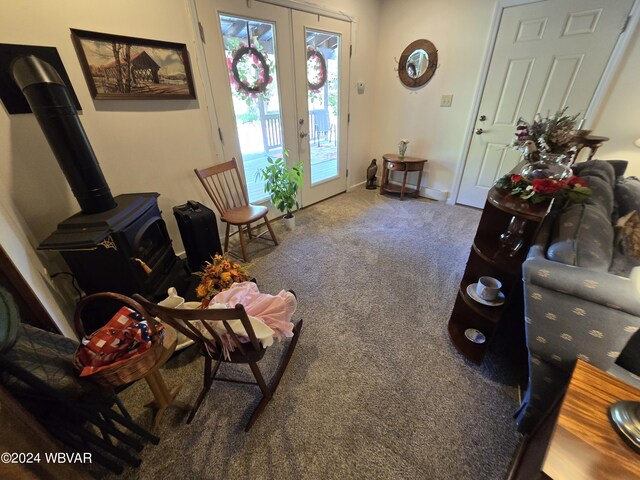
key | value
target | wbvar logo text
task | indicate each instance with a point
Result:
(64, 457)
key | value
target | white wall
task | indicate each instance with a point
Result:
(460, 32)
(619, 118)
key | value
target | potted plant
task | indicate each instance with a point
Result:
(282, 183)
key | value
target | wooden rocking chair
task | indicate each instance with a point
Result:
(211, 347)
(223, 184)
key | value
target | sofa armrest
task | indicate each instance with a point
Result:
(595, 286)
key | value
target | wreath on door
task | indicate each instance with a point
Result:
(316, 69)
(249, 72)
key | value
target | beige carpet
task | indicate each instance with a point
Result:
(375, 389)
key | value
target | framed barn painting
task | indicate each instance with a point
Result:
(119, 67)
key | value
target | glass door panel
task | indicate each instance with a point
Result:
(321, 59)
(250, 53)
(323, 98)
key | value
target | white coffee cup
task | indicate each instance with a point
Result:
(488, 288)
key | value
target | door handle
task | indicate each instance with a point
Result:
(479, 131)
(304, 134)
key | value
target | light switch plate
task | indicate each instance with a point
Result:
(446, 100)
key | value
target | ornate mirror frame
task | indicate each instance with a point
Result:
(431, 51)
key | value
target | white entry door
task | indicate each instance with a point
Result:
(304, 61)
(321, 57)
(547, 55)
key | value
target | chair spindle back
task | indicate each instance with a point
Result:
(182, 320)
(224, 185)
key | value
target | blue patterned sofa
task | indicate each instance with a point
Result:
(581, 288)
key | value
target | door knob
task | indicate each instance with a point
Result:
(304, 134)
(479, 131)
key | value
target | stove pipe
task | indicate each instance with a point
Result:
(51, 103)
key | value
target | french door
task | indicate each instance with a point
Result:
(280, 81)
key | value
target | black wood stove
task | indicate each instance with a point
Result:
(116, 244)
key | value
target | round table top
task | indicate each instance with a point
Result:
(394, 157)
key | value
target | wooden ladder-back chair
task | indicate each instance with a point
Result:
(224, 185)
(212, 347)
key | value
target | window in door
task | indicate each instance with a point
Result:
(323, 92)
(250, 51)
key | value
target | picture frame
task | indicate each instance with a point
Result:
(122, 67)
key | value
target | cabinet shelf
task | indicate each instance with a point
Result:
(487, 259)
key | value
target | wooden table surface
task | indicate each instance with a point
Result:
(583, 444)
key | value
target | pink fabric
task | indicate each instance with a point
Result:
(275, 311)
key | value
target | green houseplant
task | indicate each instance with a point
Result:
(282, 183)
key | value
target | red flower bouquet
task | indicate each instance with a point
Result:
(574, 189)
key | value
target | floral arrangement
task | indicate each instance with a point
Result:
(574, 188)
(219, 275)
(555, 134)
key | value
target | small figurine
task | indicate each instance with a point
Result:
(372, 169)
(531, 153)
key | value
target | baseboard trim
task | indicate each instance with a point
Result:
(431, 193)
(356, 186)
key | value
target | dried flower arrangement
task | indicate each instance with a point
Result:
(555, 134)
(219, 275)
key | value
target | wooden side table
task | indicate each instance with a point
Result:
(393, 162)
(576, 441)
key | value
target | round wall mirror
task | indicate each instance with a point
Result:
(418, 63)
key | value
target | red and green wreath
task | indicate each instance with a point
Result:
(249, 72)
(316, 69)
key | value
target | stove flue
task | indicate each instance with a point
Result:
(53, 107)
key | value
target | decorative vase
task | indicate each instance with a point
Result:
(402, 149)
(550, 165)
(512, 240)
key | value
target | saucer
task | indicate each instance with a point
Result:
(475, 336)
(471, 291)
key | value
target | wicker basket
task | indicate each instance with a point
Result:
(129, 369)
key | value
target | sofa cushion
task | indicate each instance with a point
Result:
(601, 194)
(596, 168)
(582, 237)
(627, 195)
(619, 166)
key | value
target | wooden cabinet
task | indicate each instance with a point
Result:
(491, 255)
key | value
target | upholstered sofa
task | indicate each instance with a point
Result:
(581, 287)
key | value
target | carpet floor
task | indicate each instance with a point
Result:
(375, 389)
